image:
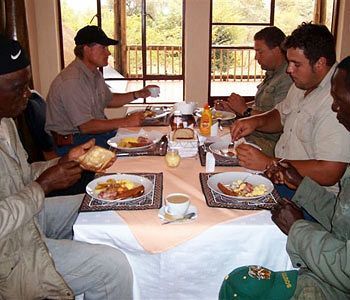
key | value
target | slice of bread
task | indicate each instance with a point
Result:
(183, 134)
(96, 159)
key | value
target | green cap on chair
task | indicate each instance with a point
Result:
(258, 283)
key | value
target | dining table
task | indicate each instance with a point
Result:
(183, 260)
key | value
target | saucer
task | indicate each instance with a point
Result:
(191, 208)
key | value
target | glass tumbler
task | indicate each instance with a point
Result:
(172, 158)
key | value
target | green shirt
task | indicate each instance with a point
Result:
(273, 89)
(322, 249)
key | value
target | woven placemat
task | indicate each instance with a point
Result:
(220, 161)
(152, 200)
(214, 199)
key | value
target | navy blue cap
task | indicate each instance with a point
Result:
(12, 56)
(93, 34)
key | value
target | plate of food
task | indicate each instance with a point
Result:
(240, 185)
(223, 149)
(131, 143)
(218, 114)
(119, 188)
(157, 112)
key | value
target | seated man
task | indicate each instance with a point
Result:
(312, 138)
(38, 259)
(273, 89)
(78, 96)
(320, 250)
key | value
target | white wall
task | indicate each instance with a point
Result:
(197, 50)
(44, 42)
(343, 39)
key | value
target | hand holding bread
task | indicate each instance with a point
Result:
(96, 159)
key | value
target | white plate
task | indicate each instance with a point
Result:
(221, 149)
(90, 188)
(113, 142)
(159, 112)
(227, 178)
(218, 114)
(191, 209)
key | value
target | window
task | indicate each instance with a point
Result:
(233, 25)
(150, 34)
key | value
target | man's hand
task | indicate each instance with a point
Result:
(145, 92)
(284, 173)
(252, 158)
(243, 127)
(237, 103)
(134, 119)
(77, 151)
(60, 176)
(285, 213)
(222, 105)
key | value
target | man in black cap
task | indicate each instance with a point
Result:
(38, 259)
(78, 96)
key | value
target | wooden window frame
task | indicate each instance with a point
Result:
(145, 77)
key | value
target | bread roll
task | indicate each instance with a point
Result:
(96, 159)
(183, 134)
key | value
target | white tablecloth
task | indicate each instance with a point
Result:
(196, 268)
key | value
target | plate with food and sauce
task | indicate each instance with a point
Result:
(218, 114)
(241, 186)
(119, 188)
(131, 143)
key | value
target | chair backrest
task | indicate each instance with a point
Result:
(35, 117)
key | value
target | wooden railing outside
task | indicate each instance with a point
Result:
(161, 60)
(235, 64)
(228, 64)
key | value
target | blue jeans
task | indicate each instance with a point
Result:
(79, 138)
(97, 271)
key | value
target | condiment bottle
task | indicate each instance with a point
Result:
(172, 158)
(176, 121)
(206, 121)
(188, 121)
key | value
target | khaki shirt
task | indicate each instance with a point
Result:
(76, 96)
(273, 89)
(26, 268)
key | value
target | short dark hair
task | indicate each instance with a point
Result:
(345, 65)
(272, 35)
(79, 51)
(315, 40)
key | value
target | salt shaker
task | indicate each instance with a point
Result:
(209, 162)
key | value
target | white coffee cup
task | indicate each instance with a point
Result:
(154, 91)
(177, 204)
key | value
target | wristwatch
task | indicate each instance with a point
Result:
(247, 112)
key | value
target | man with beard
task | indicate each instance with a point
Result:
(312, 138)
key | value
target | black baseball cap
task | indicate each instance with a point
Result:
(93, 34)
(12, 56)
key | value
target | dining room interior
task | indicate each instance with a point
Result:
(171, 193)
